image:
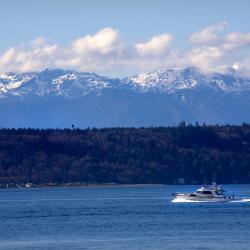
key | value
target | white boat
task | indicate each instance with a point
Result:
(205, 193)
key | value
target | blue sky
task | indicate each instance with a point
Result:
(62, 22)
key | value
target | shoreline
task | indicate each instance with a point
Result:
(103, 185)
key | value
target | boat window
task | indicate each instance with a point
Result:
(207, 192)
(219, 191)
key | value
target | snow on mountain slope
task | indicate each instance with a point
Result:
(59, 98)
(173, 80)
(168, 80)
(71, 84)
(64, 83)
(11, 81)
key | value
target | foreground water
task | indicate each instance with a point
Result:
(133, 218)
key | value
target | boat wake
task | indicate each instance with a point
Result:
(191, 201)
(244, 200)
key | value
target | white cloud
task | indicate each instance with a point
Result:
(102, 42)
(155, 46)
(38, 41)
(215, 52)
(105, 52)
(207, 35)
(236, 40)
(205, 58)
(243, 67)
(7, 57)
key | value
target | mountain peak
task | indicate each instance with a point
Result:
(172, 80)
(50, 82)
(72, 84)
(57, 98)
(169, 80)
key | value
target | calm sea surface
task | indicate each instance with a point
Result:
(131, 218)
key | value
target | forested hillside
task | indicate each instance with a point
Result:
(126, 155)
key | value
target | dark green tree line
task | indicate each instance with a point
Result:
(126, 155)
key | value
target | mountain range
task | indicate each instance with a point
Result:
(60, 98)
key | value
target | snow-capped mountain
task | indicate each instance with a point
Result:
(171, 80)
(72, 84)
(60, 83)
(59, 98)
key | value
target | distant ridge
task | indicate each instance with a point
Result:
(58, 98)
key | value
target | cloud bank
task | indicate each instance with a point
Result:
(208, 49)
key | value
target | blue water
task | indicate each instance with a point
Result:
(131, 218)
